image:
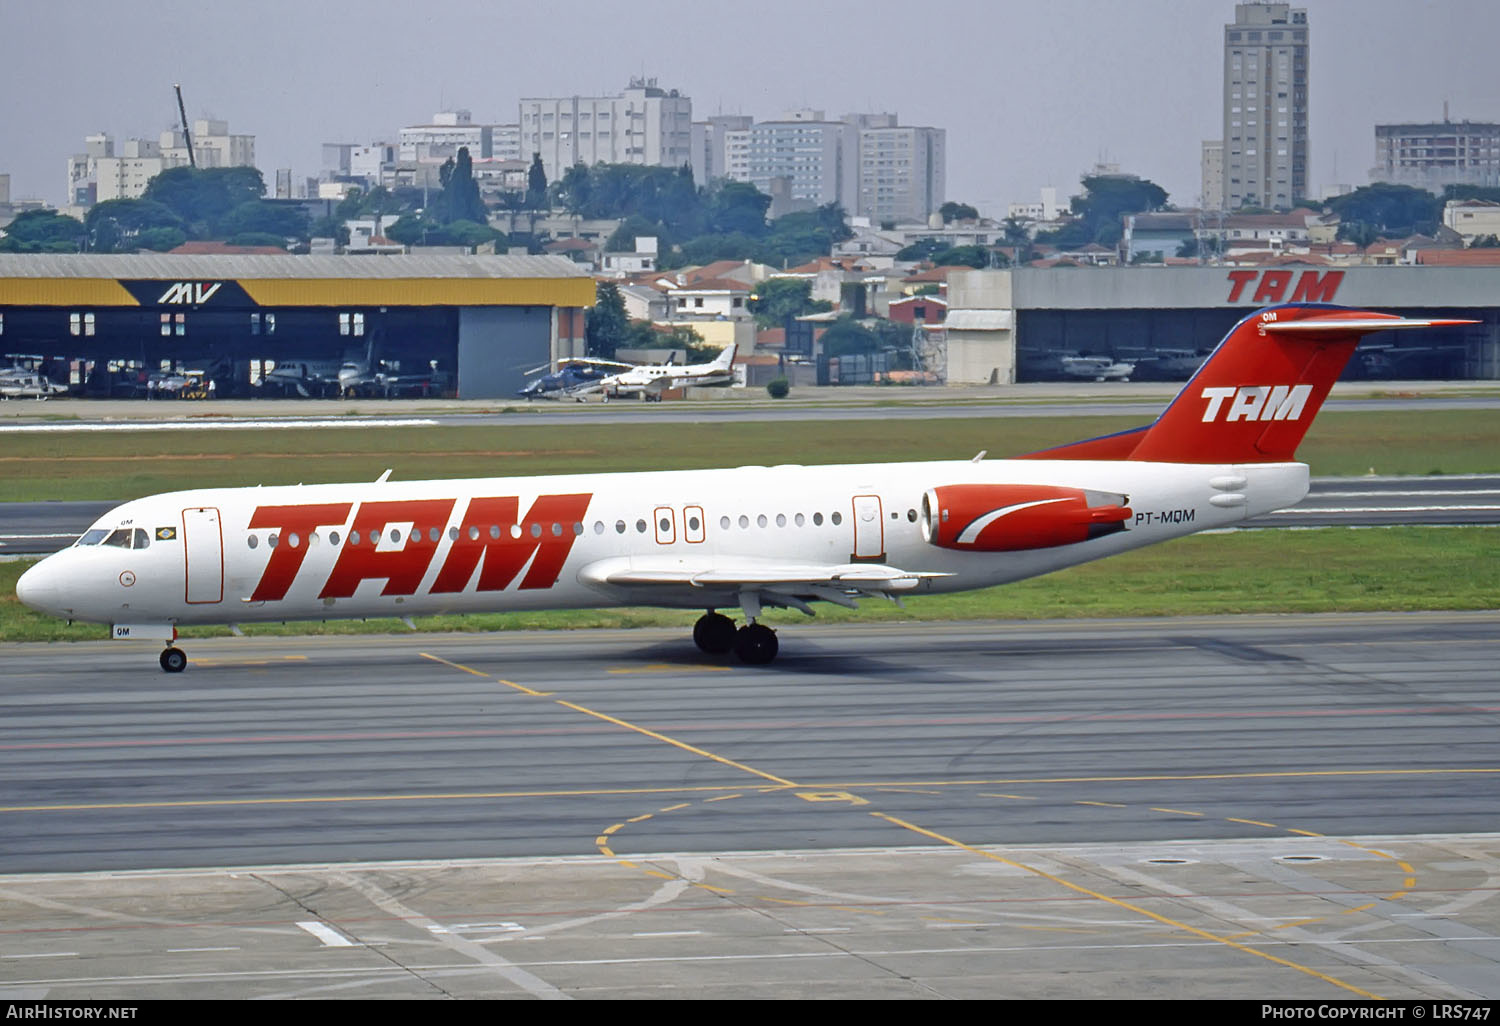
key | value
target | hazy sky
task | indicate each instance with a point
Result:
(1031, 93)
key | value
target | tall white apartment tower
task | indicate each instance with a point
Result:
(902, 169)
(1265, 106)
(646, 125)
(812, 156)
(711, 144)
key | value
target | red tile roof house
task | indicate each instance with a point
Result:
(928, 309)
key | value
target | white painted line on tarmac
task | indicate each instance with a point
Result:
(219, 425)
(1392, 492)
(1293, 510)
(479, 928)
(330, 937)
(44, 954)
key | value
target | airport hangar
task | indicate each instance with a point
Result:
(103, 322)
(999, 322)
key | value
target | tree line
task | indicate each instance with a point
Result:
(179, 204)
(695, 224)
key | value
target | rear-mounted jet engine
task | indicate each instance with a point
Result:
(1008, 518)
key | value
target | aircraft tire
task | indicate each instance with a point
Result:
(173, 660)
(714, 633)
(756, 644)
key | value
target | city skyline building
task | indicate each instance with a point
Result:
(902, 170)
(100, 173)
(1211, 192)
(1265, 118)
(644, 125)
(802, 155)
(711, 140)
(1432, 155)
(443, 137)
(869, 164)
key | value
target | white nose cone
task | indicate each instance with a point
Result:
(38, 589)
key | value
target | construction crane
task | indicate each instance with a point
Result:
(186, 135)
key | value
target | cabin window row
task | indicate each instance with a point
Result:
(416, 536)
(537, 530)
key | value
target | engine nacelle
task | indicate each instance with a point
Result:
(1012, 517)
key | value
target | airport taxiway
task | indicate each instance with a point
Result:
(1266, 806)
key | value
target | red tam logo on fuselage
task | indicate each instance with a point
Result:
(1312, 287)
(396, 541)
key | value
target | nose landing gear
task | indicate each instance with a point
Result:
(173, 659)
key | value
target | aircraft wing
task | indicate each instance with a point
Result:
(746, 581)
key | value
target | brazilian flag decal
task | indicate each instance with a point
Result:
(166, 533)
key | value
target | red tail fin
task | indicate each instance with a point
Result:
(1255, 397)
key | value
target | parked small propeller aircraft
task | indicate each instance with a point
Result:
(746, 538)
(649, 381)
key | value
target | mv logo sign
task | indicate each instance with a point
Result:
(185, 293)
(1256, 402)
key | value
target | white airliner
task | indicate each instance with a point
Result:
(746, 538)
(649, 381)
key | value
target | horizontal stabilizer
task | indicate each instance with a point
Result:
(1361, 325)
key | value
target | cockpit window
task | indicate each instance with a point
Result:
(120, 538)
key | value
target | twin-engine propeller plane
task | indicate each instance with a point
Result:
(748, 538)
(649, 381)
(581, 376)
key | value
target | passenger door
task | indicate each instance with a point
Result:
(869, 530)
(203, 555)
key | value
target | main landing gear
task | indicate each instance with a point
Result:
(754, 643)
(173, 659)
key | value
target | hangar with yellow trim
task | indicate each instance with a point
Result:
(115, 324)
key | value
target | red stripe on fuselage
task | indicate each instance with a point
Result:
(286, 559)
(547, 530)
(402, 567)
(491, 540)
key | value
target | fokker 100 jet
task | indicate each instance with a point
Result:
(744, 539)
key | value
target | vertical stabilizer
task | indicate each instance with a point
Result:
(1254, 398)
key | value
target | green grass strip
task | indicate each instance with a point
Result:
(128, 465)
